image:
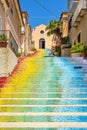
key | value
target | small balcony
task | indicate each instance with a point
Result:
(79, 12)
(8, 37)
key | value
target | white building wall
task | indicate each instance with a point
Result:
(8, 62)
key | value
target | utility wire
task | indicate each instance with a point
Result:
(46, 9)
(34, 17)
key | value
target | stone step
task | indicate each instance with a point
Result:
(44, 125)
(43, 90)
(30, 88)
(42, 102)
(67, 105)
(42, 93)
(37, 99)
(45, 109)
(43, 113)
(43, 118)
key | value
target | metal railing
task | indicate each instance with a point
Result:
(81, 5)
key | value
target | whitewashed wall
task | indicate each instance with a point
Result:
(8, 61)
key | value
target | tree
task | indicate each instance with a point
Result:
(53, 28)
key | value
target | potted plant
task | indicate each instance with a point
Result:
(3, 40)
(84, 52)
(77, 49)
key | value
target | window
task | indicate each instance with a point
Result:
(0, 23)
(11, 44)
(74, 43)
(33, 42)
(70, 23)
(12, 9)
(79, 37)
(42, 32)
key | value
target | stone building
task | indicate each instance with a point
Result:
(12, 26)
(78, 21)
(65, 46)
(27, 37)
(11, 22)
(40, 39)
(64, 26)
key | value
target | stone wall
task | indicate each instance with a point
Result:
(8, 61)
(81, 28)
(76, 55)
(66, 52)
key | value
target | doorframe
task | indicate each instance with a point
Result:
(41, 46)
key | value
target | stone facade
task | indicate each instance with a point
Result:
(64, 26)
(11, 24)
(80, 29)
(8, 61)
(40, 39)
(76, 55)
(65, 52)
(11, 20)
(26, 42)
(78, 22)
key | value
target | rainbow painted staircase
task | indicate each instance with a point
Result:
(44, 93)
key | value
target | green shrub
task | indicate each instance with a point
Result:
(85, 48)
(18, 54)
(3, 37)
(33, 49)
(77, 48)
(65, 40)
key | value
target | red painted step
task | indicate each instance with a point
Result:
(2, 81)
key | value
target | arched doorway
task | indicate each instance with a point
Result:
(42, 43)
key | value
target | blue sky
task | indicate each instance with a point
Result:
(37, 15)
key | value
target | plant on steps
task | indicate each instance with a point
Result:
(3, 38)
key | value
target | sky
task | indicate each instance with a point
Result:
(38, 15)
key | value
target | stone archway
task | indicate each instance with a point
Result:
(42, 43)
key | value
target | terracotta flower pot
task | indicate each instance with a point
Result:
(3, 44)
(84, 54)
